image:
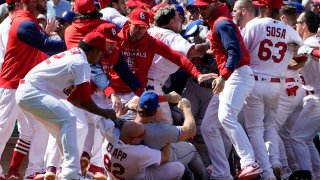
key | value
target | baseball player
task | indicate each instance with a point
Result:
(138, 55)
(86, 20)
(125, 158)
(243, 12)
(266, 37)
(167, 30)
(307, 26)
(155, 128)
(26, 47)
(233, 86)
(64, 75)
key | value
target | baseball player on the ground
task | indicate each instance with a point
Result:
(306, 126)
(125, 158)
(156, 128)
(64, 75)
(234, 84)
(167, 30)
(266, 37)
(26, 47)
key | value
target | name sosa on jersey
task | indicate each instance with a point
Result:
(276, 32)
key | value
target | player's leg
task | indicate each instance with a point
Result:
(232, 98)
(255, 113)
(171, 170)
(9, 111)
(308, 119)
(38, 146)
(60, 122)
(210, 130)
(187, 154)
(22, 147)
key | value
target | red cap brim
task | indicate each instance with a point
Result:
(257, 3)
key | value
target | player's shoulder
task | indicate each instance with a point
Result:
(313, 41)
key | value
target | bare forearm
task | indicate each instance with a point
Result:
(189, 125)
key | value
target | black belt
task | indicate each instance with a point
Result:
(204, 85)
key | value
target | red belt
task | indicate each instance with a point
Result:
(276, 80)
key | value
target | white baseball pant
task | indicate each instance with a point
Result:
(302, 136)
(9, 113)
(59, 121)
(231, 100)
(260, 114)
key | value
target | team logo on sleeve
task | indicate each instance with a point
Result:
(114, 32)
(69, 90)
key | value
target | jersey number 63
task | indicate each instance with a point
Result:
(265, 53)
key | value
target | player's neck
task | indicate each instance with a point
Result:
(141, 119)
(307, 34)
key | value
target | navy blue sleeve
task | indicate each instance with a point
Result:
(124, 72)
(29, 33)
(99, 77)
(228, 37)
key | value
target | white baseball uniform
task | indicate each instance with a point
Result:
(26, 123)
(161, 68)
(112, 15)
(39, 94)
(266, 39)
(306, 126)
(123, 161)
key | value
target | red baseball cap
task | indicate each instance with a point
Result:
(12, 1)
(203, 2)
(139, 16)
(95, 39)
(316, 1)
(109, 31)
(269, 3)
(84, 6)
(132, 3)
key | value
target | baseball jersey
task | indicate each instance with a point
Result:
(4, 33)
(311, 69)
(267, 39)
(61, 73)
(113, 16)
(123, 161)
(161, 67)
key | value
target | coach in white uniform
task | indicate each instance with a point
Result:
(63, 76)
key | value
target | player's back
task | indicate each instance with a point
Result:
(267, 39)
(124, 161)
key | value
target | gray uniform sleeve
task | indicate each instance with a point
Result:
(160, 134)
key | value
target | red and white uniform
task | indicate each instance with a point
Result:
(39, 93)
(266, 40)
(161, 67)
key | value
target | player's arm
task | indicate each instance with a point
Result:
(122, 69)
(165, 154)
(296, 63)
(29, 33)
(309, 51)
(229, 39)
(188, 129)
(81, 98)
(198, 50)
